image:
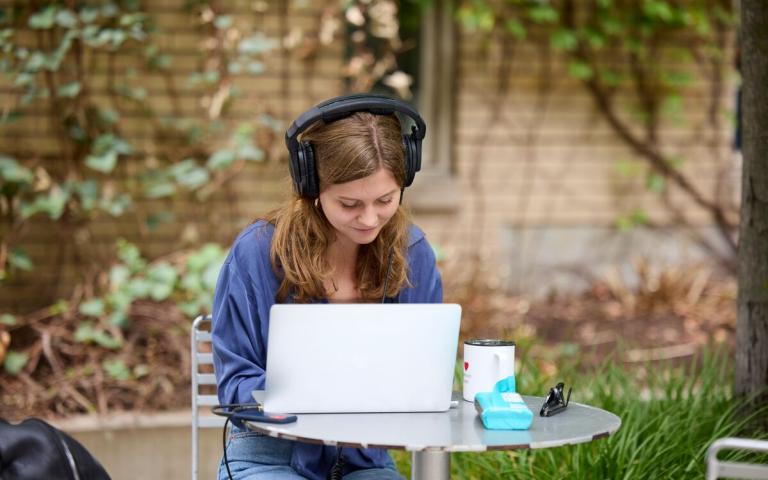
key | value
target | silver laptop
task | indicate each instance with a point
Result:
(324, 358)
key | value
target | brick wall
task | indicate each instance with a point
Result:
(531, 157)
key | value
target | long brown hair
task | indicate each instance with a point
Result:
(345, 150)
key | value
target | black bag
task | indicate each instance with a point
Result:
(35, 450)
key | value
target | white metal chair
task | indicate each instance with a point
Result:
(202, 381)
(719, 468)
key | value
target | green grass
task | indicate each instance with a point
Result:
(670, 415)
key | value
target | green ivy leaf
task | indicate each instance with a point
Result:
(92, 308)
(190, 308)
(515, 28)
(610, 77)
(543, 14)
(159, 189)
(189, 174)
(223, 22)
(132, 19)
(36, 62)
(85, 333)
(235, 68)
(118, 319)
(59, 307)
(595, 39)
(628, 168)
(656, 183)
(210, 275)
(104, 163)
(611, 25)
(201, 258)
(88, 191)
(109, 116)
(118, 275)
(24, 79)
(51, 203)
(221, 159)
(580, 70)
(191, 282)
(44, 19)
(15, 362)
(120, 300)
(163, 277)
(116, 206)
(632, 220)
(139, 288)
(255, 68)
(256, 44)
(88, 14)
(564, 40)
(116, 369)
(162, 272)
(657, 9)
(66, 19)
(106, 340)
(18, 258)
(129, 254)
(161, 292)
(250, 152)
(109, 10)
(108, 142)
(155, 219)
(672, 105)
(69, 90)
(13, 172)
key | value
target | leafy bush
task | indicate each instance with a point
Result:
(670, 415)
(127, 347)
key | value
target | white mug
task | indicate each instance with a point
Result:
(486, 361)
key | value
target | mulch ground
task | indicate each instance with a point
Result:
(669, 314)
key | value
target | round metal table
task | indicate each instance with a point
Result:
(431, 436)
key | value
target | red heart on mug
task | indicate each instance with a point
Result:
(466, 366)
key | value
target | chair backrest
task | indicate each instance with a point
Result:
(719, 468)
(203, 384)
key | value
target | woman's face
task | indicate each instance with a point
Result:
(359, 209)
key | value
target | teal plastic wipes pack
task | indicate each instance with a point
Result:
(503, 408)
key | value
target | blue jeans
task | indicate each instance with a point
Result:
(254, 456)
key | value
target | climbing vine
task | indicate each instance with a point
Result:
(651, 50)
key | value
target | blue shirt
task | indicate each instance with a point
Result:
(245, 292)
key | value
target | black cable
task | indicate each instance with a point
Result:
(224, 444)
(234, 408)
(335, 473)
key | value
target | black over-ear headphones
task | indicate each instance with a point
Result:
(302, 157)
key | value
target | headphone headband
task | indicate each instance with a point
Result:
(345, 105)
(302, 156)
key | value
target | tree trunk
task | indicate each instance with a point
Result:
(752, 323)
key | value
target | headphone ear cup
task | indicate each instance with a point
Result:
(412, 160)
(310, 183)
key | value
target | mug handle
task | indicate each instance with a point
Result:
(501, 359)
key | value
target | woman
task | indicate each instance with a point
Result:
(349, 240)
